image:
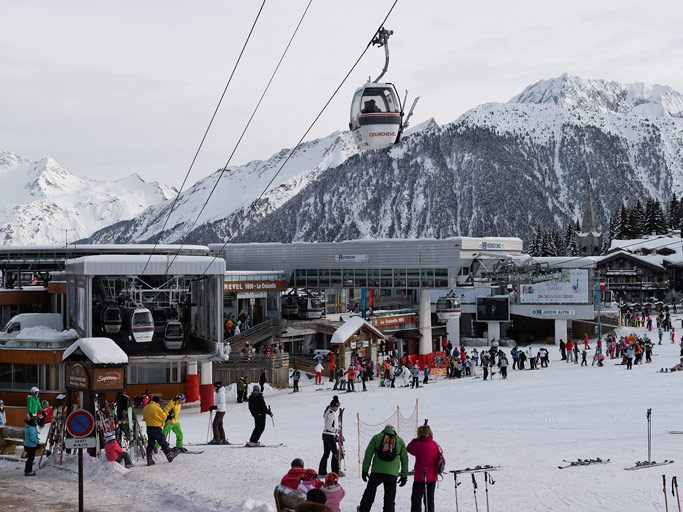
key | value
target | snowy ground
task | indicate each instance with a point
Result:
(526, 424)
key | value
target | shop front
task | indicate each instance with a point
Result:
(251, 298)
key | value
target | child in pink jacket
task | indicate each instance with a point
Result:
(114, 452)
(334, 492)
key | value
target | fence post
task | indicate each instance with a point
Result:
(358, 427)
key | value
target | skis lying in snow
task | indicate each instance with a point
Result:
(476, 469)
(583, 462)
(645, 464)
(261, 446)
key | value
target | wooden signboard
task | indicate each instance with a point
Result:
(77, 377)
(108, 378)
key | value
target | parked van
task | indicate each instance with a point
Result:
(19, 322)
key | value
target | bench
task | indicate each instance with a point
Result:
(287, 499)
(10, 438)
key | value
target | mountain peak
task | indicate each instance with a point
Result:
(604, 96)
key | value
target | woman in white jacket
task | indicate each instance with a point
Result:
(330, 437)
(220, 406)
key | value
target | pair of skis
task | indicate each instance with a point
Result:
(583, 462)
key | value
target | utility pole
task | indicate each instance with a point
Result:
(66, 235)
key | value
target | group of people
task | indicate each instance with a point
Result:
(632, 349)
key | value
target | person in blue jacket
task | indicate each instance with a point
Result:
(31, 441)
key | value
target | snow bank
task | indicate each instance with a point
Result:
(43, 333)
(98, 350)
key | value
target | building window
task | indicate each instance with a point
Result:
(400, 278)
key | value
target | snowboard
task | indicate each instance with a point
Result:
(645, 464)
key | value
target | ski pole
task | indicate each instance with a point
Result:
(208, 431)
(424, 474)
(674, 485)
(488, 479)
(649, 435)
(455, 478)
(274, 429)
(474, 488)
(666, 502)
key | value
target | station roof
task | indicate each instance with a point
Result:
(98, 350)
(351, 327)
(133, 265)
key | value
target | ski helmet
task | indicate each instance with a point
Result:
(35, 390)
(109, 437)
(310, 474)
(218, 385)
(180, 396)
(331, 478)
(297, 463)
(256, 389)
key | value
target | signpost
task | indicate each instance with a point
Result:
(79, 426)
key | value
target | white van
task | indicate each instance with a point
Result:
(24, 320)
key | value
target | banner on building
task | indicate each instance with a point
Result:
(570, 288)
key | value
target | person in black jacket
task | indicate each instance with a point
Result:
(259, 410)
(262, 381)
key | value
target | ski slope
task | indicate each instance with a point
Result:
(526, 424)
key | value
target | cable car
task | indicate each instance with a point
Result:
(448, 307)
(139, 323)
(290, 305)
(109, 317)
(377, 116)
(173, 335)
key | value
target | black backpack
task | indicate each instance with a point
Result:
(387, 447)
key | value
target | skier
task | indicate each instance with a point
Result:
(386, 454)
(333, 491)
(319, 374)
(31, 441)
(296, 375)
(503, 365)
(660, 333)
(405, 374)
(426, 375)
(416, 377)
(563, 350)
(532, 357)
(576, 353)
(262, 381)
(629, 358)
(330, 437)
(3, 415)
(154, 418)
(33, 405)
(586, 346)
(245, 389)
(293, 476)
(570, 350)
(364, 376)
(114, 452)
(428, 458)
(240, 389)
(309, 480)
(220, 406)
(172, 411)
(332, 365)
(258, 409)
(351, 376)
(485, 363)
(583, 357)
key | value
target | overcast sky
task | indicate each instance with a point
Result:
(110, 88)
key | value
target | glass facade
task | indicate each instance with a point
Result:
(370, 278)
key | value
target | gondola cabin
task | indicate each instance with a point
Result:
(139, 323)
(376, 116)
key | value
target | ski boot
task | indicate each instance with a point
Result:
(170, 455)
(150, 460)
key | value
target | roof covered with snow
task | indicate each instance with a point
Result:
(132, 265)
(98, 350)
(648, 244)
(351, 327)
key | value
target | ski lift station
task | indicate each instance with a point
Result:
(172, 308)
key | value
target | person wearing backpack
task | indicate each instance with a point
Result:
(386, 457)
(429, 464)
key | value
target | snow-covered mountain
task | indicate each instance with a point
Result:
(40, 200)
(500, 169)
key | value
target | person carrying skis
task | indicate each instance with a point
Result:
(428, 457)
(259, 410)
(172, 411)
(114, 452)
(330, 437)
(385, 459)
(296, 375)
(220, 406)
(155, 418)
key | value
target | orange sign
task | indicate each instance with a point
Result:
(279, 285)
(388, 321)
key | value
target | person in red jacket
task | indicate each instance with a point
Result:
(570, 351)
(292, 478)
(114, 452)
(585, 342)
(428, 455)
